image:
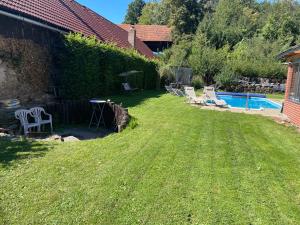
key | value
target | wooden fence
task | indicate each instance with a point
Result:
(79, 112)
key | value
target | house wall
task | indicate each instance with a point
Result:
(27, 65)
(291, 109)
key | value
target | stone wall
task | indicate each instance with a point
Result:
(26, 61)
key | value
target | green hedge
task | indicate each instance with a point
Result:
(90, 68)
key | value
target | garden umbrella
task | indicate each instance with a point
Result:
(129, 73)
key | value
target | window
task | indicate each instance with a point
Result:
(295, 84)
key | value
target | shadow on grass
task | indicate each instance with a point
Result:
(12, 151)
(136, 98)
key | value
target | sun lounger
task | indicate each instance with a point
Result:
(170, 90)
(210, 96)
(191, 96)
(179, 92)
(128, 88)
(175, 91)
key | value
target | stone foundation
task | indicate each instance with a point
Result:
(24, 70)
(27, 63)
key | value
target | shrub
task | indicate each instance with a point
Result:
(174, 57)
(90, 68)
(197, 82)
(133, 123)
(207, 61)
(256, 58)
(226, 78)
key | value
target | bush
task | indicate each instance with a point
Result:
(207, 61)
(197, 82)
(133, 123)
(174, 57)
(226, 78)
(90, 68)
(256, 58)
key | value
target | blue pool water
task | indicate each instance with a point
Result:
(254, 102)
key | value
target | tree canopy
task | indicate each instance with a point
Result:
(226, 39)
(157, 13)
(134, 11)
(232, 38)
(185, 16)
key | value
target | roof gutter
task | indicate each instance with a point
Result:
(24, 19)
(285, 53)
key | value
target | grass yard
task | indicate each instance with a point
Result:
(278, 96)
(181, 165)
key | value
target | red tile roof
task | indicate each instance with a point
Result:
(150, 32)
(72, 16)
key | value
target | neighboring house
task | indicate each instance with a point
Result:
(292, 94)
(68, 15)
(30, 34)
(156, 37)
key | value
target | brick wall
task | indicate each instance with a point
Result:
(291, 109)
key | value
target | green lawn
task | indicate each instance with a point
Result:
(278, 96)
(181, 165)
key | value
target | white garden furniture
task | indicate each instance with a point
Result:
(191, 96)
(179, 92)
(128, 88)
(210, 95)
(174, 91)
(170, 90)
(37, 113)
(23, 115)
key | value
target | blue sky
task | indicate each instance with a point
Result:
(114, 10)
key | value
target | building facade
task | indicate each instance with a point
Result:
(292, 94)
(30, 33)
(70, 16)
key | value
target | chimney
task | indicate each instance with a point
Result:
(132, 36)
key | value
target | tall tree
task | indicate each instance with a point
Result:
(205, 60)
(236, 38)
(185, 16)
(209, 5)
(226, 26)
(282, 22)
(134, 11)
(155, 13)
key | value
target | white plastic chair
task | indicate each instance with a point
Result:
(22, 115)
(36, 113)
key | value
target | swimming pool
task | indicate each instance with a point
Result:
(254, 102)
